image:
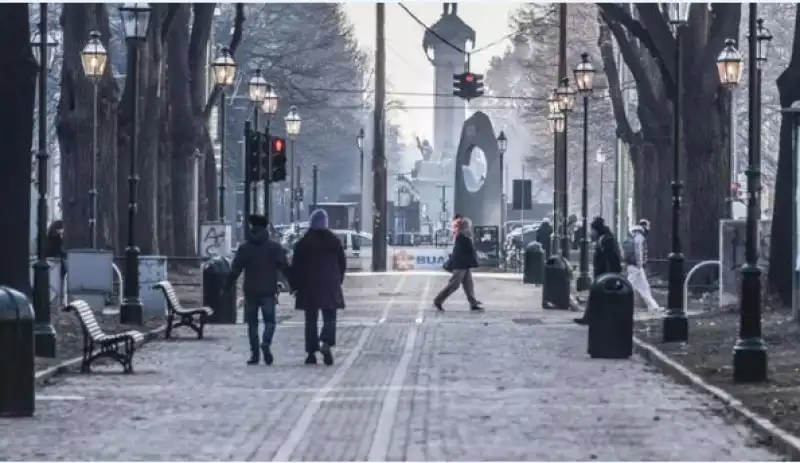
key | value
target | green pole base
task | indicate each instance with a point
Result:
(675, 327)
(44, 336)
(750, 361)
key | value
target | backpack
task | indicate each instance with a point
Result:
(629, 249)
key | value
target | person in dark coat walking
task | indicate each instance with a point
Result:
(607, 255)
(461, 262)
(544, 235)
(318, 268)
(260, 259)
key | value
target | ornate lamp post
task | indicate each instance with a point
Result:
(502, 145)
(676, 326)
(224, 68)
(584, 79)
(750, 352)
(45, 334)
(269, 106)
(566, 99)
(256, 91)
(292, 121)
(360, 142)
(94, 58)
(552, 104)
(135, 17)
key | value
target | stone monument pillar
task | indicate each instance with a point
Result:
(450, 111)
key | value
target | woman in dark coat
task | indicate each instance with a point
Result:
(317, 274)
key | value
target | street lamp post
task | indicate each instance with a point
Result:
(601, 161)
(256, 91)
(584, 79)
(94, 58)
(135, 17)
(360, 142)
(44, 333)
(750, 352)
(292, 121)
(224, 72)
(502, 145)
(269, 106)
(566, 99)
(675, 324)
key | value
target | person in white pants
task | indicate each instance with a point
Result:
(635, 249)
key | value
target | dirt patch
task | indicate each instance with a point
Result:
(709, 354)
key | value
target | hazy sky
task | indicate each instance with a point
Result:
(406, 64)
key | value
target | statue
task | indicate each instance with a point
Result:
(425, 149)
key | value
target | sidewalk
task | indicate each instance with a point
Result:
(409, 384)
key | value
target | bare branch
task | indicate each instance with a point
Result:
(624, 129)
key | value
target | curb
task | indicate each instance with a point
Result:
(778, 439)
(42, 377)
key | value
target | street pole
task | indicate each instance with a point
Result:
(675, 324)
(600, 202)
(44, 333)
(361, 178)
(750, 352)
(314, 183)
(221, 201)
(248, 194)
(584, 280)
(93, 172)
(564, 188)
(378, 153)
(131, 308)
(298, 199)
(268, 175)
(254, 185)
(292, 192)
(560, 154)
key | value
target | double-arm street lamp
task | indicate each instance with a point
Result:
(565, 95)
(135, 18)
(224, 68)
(750, 352)
(44, 333)
(292, 121)
(584, 79)
(94, 58)
(676, 325)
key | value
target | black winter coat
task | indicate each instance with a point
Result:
(464, 255)
(544, 235)
(260, 259)
(607, 256)
(317, 274)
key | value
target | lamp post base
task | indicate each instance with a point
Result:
(44, 340)
(750, 361)
(675, 327)
(130, 312)
(583, 283)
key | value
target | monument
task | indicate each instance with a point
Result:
(478, 177)
(433, 175)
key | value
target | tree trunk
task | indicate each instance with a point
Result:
(74, 126)
(781, 262)
(652, 167)
(17, 90)
(182, 135)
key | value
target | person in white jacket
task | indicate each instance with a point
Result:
(635, 250)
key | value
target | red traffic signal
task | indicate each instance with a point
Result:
(278, 145)
(469, 77)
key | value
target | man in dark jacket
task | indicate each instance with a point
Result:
(461, 261)
(318, 268)
(607, 256)
(544, 235)
(260, 259)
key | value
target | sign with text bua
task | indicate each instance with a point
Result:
(522, 195)
(419, 258)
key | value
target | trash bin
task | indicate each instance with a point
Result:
(610, 315)
(215, 272)
(17, 388)
(533, 264)
(556, 287)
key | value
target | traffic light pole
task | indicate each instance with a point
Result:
(378, 153)
(248, 195)
(268, 176)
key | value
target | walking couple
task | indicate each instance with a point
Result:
(462, 260)
(315, 277)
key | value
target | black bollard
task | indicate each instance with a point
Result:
(215, 273)
(17, 386)
(533, 264)
(610, 315)
(556, 287)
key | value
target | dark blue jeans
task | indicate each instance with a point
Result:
(266, 305)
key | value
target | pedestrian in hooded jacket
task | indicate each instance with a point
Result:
(260, 259)
(544, 235)
(607, 256)
(318, 268)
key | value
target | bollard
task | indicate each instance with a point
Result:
(556, 287)
(533, 264)
(609, 311)
(215, 272)
(17, 386)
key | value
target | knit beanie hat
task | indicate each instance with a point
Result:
(318, 220)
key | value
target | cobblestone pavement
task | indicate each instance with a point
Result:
(409, 384)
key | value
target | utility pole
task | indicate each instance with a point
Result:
(314, 182)
(562, 137)
(378, 153)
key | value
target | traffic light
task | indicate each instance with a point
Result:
(253, 156)
(458, 86)
(478, 92)
(468, 85)
(278, 153)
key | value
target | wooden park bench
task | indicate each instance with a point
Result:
(177, 316)
(97, 344)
